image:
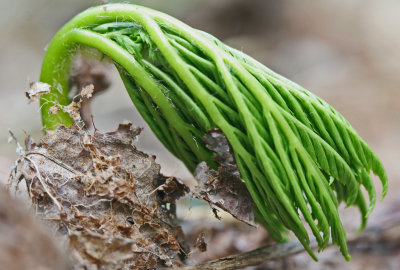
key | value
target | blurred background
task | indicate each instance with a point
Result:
(345, 51)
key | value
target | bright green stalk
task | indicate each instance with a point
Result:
(296, 154)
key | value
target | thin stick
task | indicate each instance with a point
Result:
(253, 257)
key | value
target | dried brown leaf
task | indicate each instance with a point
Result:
(54, 109)
(37, 89)
(87, 91)
(109, 211)
(224, 188)
(73, 110)
(216, 141)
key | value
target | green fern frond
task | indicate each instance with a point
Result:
(298, 156)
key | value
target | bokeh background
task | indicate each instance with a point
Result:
(345, 51)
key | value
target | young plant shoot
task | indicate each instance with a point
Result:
(297, 155)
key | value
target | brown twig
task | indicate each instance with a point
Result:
(252, 257)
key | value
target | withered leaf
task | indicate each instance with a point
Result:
(87, 91)
(37, 89)
(73, 110)
(216, 141)
(109, 214)
(54, 109)
(171, 189)
(224, 188)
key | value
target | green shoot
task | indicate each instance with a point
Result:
(298, 156)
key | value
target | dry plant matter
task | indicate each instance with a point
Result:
(223, 188)
(104, 198)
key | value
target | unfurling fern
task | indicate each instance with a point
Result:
(298, 156)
